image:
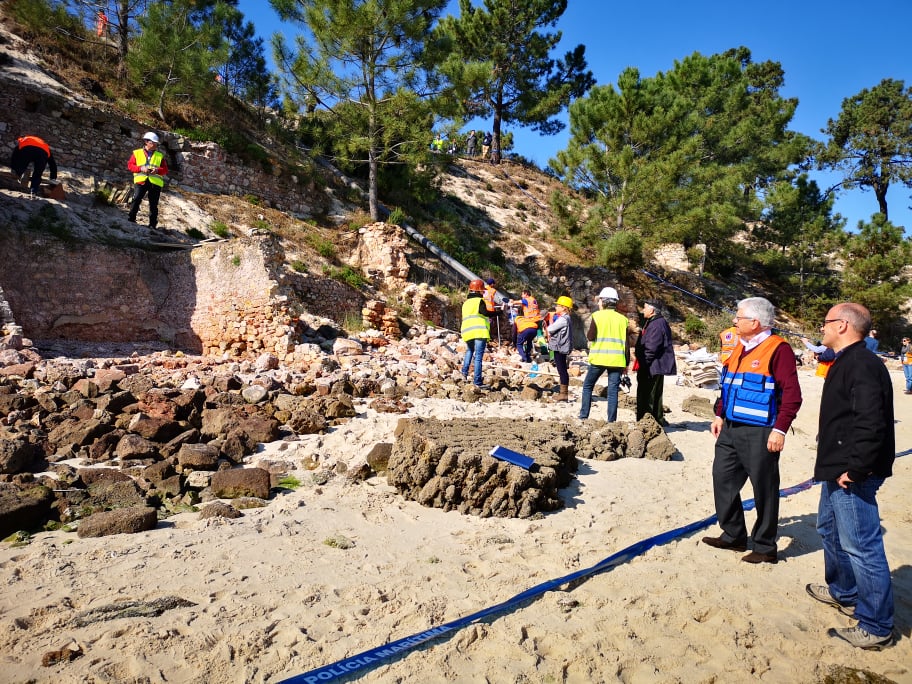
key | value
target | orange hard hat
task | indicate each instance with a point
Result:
(476, 285)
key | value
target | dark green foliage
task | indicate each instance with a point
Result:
(49, 220)
(622, 251)
(871, 140)
(220, 228)
(694, 327)
(680, 156)
(346, 274)
(499, 63)
(363, 64)
(875, 270)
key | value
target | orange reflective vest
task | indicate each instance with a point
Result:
(34, 141)
(729, 339)
(525, 323)
(488, 297)
(530, 308)
(823, 367)
(748, 387)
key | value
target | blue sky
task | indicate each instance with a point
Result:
(829, 51)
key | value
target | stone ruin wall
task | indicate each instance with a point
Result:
(221, 299)
(86, 137)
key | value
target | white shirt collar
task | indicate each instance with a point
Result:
(756, 339)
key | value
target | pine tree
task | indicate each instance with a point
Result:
(500, 64)
(362, 64)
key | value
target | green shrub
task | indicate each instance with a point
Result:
(353, 321)
(195, 233)
(397, 217)
(261, 224)
(48, 220)
(322, 246)
(693, 326)
(346, 274)
(220, 228)
(252, 199)
(299, 266)
(235, 260)
(622, 250)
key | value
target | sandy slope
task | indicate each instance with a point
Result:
(273, 600)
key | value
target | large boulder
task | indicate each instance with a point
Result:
(238, 482)
(120, 521)
(16, 453)
(23, 507)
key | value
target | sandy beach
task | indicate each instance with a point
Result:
(275, 594)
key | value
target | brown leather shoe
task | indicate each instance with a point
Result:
(719, 543)
(754, 557)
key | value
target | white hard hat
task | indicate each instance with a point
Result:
(609, 293)
(151, 136)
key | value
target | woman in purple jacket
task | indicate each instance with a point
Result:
(655, 358)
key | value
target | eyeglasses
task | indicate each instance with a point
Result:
(743, 318)
(827, 321)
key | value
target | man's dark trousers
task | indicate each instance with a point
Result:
(741, 454)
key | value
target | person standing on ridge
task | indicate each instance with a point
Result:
(30, 149)
(149, 169)
(609, 352)
(471, 145)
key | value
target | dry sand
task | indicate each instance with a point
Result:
(273, 600)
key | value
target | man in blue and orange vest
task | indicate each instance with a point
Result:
(30, 149)
(149, 169)
(760, 399)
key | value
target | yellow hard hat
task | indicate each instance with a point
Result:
(565, 301)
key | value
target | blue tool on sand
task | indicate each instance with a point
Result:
(513, 457)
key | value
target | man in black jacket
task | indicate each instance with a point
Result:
(855, 452)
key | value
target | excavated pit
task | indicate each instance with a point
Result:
(446, 463)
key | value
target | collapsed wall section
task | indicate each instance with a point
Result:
(219, 299)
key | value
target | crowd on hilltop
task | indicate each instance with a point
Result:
(475, 146)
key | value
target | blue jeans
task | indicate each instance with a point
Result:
(476, 349)
(614, 382)
(854, 563)
(524, 343)
(907, 371)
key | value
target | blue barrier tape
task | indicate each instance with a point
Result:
(375, 656)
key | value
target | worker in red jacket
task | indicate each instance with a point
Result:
(31, 149)
(149, 171)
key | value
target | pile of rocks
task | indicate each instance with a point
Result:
(148, 434)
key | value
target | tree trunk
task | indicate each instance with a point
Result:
(373, 169)
(495, 133)
(880, 192)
